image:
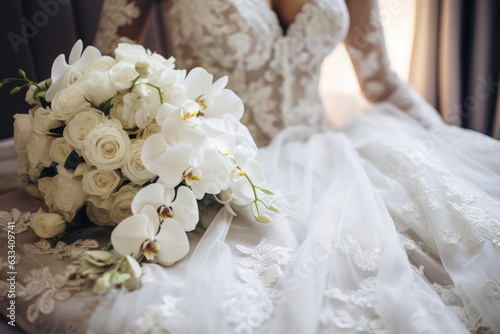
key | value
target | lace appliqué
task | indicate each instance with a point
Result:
(159, 318)
(491, 289)
(252, 303)
(365, 297)
(45, 289)
(287, 204)
(472, 225)
(76, 250)
(22, 220)
(366, 260)
(115, 14)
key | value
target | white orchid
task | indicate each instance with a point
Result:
(184, 208)
(64, 74)
(227, 133)
(171, 135)
(213, 99)
(180, 108)
(142, 235)
(210, 174)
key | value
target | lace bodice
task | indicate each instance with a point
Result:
(275, 74)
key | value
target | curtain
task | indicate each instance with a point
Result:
(33, 33)
(455, 61)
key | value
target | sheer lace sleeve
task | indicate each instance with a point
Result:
(366, 46)
(122, 20)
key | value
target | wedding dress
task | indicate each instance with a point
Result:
(390, 225)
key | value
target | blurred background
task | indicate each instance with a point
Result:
(449, 50)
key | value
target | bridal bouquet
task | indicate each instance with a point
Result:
(138, 145)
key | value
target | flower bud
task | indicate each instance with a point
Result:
(143, 68)
(48, 225)
(265, 219)
(273, 208)
(267, 191)
(15, 90)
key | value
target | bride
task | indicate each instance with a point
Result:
(390, 225)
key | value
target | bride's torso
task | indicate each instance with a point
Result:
(275, 73)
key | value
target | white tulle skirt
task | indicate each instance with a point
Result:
(385, 227)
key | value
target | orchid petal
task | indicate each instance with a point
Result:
(89, 55)
(194, 137)
(186, 209)
(128, 236)
(151, 195)
(76, 52)
(59, 67)
(174, 244)
(171, 165)
(168, 110)
(152, 149)
(58, 85)
(153, 219)
(219, 85)
(170, 130)
(227, 102)
(216, 174)
(198, 82)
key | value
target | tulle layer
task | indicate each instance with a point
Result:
(377, 237)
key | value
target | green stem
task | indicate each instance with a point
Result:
(158, 89)
(133, 83)
(256, 198)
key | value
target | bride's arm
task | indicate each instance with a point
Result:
(366, 46)
(122, 20)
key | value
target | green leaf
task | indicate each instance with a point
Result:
(48, 172)
(44, 102)
(72, 160)
(200, 225)
(58, 130)
(106, 106)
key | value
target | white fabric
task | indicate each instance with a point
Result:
(335, 260)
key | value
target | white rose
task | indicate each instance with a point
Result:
(63, 193)
(43, 121)
(133, 168)
(47, 225)
(69, 102)
(126, 51)
(102, 64)
(80, 126)
(82, 169)
(100, 182)
(122, 75)
(23, 128)
(38, 150)
(99, 88)
(107, 146)
(122, 201)
(126, 117)
(98, 210)
(149, 130)
(59, 150)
